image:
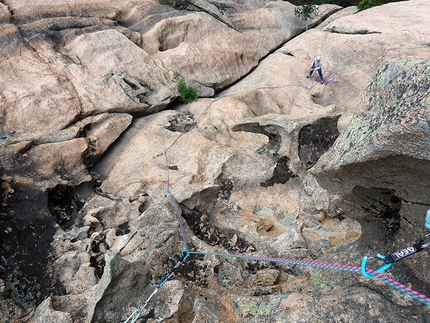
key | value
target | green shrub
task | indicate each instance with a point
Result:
(366, 4)
(305, 11)
(187, 94)
(362, 4)
(177, 4)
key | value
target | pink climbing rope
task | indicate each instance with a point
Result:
(404, 289)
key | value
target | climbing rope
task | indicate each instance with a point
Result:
(402, 288)
(329, 78)
(282, 260)
(138, 311)
(178, 213)
(369, 273)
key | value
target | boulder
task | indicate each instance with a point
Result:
(381, 162)
(107, 184)
(386, 145)
(4, 13)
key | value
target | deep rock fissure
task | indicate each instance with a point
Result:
(64, 205)
(29, 220)
(380, 204)
(25, 265)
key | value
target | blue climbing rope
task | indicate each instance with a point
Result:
(138, 311)
(428, 220)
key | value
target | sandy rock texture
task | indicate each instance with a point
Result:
(117, 199)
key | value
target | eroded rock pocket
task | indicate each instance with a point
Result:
(281, 174)
(182, 122)
(208, 232)
(315, 139)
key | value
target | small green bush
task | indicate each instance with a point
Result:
(187, 94)
(177, 4)
(305, 11)
(366, 4)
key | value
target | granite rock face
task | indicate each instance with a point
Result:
(106, 179)
(382, 159)
(391, 129)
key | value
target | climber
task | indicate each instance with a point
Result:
(317, 65)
